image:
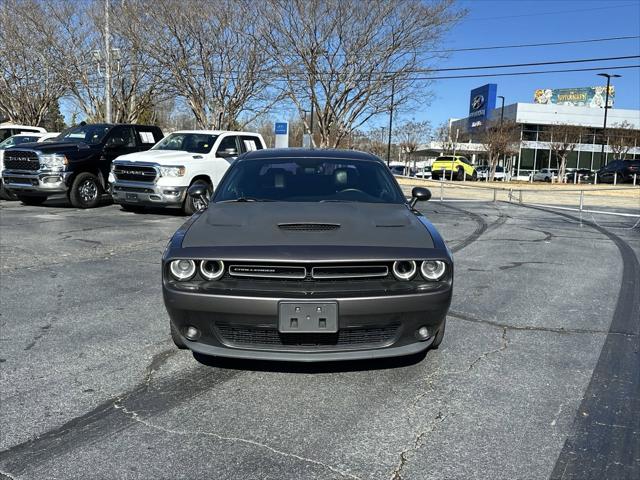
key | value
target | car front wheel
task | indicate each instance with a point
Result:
(85, 191)
(192, 205)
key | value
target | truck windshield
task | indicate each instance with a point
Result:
(92, 134)
(16, 140)
(187, 142)
(309, 180)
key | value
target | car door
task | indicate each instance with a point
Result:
(224, 152)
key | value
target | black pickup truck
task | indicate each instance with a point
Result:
(77, 163)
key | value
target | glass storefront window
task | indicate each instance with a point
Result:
(572, 160)
(542, 159)
(584, 160)
(526, 158)
(597, 161)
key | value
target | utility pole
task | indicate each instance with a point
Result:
(107, 67)
(393, 90)
(606, 108)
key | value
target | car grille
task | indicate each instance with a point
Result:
(135, 173)
(309, 227)
(272, 338)
(21, 160)
(308, 272)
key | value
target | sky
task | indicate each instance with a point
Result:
(509, 22)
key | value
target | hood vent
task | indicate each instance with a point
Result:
(309, 227)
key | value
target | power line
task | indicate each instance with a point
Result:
(538, 72)
(547, 44)
(554, 12)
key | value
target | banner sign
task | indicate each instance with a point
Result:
(481, 103)
(577, 97)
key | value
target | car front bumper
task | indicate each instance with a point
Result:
(368, 326)
(147, 194)
(35, 182)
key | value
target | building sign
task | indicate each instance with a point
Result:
(576, 97)
(481, 103)
(281, 129)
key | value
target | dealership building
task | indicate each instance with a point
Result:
(532, 118)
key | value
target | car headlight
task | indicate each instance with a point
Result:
(404, 269)
(53, 161)
(172, 171)
(212, 269)
(433, 269)
(182, 269)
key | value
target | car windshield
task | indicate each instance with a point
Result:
(17, 140)
(187, 142)
(92, 134)
(309, 180)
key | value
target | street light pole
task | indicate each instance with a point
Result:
(606, 108)
(393, 89)
(107, 66)
(501, 109)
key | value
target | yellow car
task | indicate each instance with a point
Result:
(455, 167)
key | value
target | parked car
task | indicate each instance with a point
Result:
(620, 171)
(454, 167)
(76, 164)
(12, 141)
(294, 259)
(10, 129)
(577, 174)
(484, 170)
(545, 175)
(160, 176)
(424, 173)
(397, 169)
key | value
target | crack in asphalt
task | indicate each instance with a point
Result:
(418, 443)
(503, 346)
(529, 328)
(137, 418)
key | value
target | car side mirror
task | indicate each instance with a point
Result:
(419, 194)
(227, 153)
(200, 193)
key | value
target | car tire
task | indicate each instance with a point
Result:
(460, 174)
(434, 177)
(6, 194)
(86, 191)
(474, 177)
(190, 205)
(547, 179)
(175, 336)
(32, 199)
(439, 336)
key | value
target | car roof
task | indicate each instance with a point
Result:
(216, 132)
(329, 153)
(29, 134)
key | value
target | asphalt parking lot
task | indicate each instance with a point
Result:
(538, 375)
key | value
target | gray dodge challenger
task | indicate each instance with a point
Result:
(307, 255)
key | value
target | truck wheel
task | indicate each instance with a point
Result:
(32, 200)
(175, 336)
(192, 205)
(85, 191)
(439, 336)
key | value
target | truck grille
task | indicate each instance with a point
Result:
(21, 160)
(272, 338)
(134, 173)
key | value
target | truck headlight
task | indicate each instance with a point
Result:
(53, 161)
(172, 171)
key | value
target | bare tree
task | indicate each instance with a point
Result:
(562, 139)
(214, 56)
(409, 135)
(499, 139)
(347, 59)
(622, 138)
(443, 136)
(30, 82)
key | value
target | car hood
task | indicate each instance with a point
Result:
(55, 147)
(260, 224)
(163, 157)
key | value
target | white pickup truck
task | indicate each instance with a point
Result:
(161, 176)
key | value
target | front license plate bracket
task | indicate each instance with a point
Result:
(308, 317)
